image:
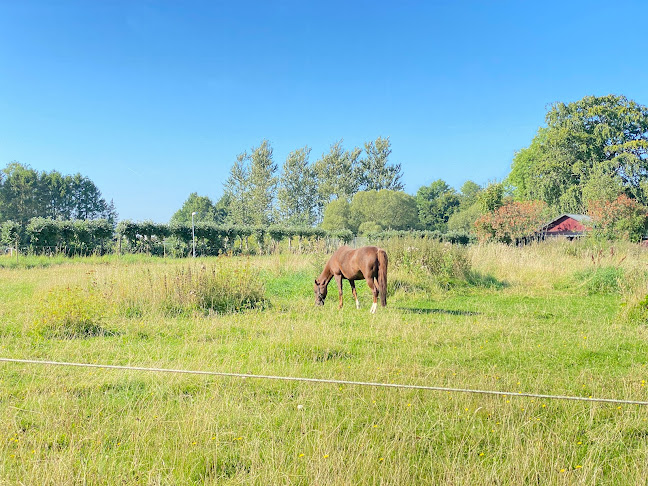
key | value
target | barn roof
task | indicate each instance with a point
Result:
(581, 218)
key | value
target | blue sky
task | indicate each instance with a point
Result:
(153, 100)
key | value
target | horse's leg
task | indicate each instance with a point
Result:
(355, 294)
(374, 290)
(338, 279)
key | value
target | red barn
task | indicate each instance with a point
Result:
(569, 226)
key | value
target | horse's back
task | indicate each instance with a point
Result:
(357, 263)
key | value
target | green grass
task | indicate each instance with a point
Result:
(526, 323)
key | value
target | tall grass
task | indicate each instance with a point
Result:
(547, 331)
(136, 291)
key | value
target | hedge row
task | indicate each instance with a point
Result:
(79, 237)
(456, 237)
(42, 235)
(212, 239)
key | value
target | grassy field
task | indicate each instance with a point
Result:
(560, 319)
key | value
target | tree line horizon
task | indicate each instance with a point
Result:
(590, 158)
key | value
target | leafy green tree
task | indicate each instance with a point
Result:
(297, 194)
(201, 205)
(337, 215)
(492, 197)
(384, 209)
(10, 232)
(464, 219)
(436, 203)
(592, 137)
(469, 193)
(221, 208)
(469, 210)
(375, 173)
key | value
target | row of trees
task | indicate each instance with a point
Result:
(256, 193)
(591, 157)
(26, 194)
(337, 191)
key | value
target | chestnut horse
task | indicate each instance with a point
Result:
(367, 263)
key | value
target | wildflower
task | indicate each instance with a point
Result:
(301, 455)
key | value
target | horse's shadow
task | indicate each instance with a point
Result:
(452, 312)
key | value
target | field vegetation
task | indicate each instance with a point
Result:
(554, 318)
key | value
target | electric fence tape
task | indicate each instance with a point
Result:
(322, 380)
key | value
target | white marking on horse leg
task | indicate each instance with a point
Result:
(373, 307)
(357, 304)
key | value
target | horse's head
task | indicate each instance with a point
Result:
(320, 292)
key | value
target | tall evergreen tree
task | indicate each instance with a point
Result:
(337, 174)
(26, 193)
(297, 194)
(87, 199)
(263, 184)
(237, 189)
(375, 173)
(19, 194)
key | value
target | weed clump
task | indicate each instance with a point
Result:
(601, 280)
(203, 289)
(422, 264)
(182, 290)
(636, 310)
(70, 312)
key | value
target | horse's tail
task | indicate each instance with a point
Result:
(382, 276)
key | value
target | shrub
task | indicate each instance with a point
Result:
(511, 222)
(623, 218)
